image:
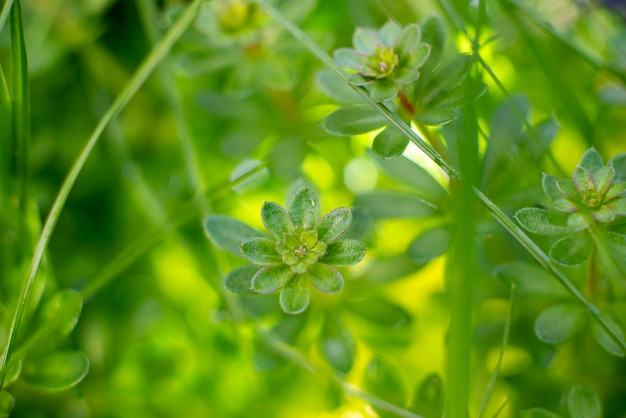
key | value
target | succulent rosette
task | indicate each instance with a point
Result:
(385, 59)
(592, 201)
(302, 249)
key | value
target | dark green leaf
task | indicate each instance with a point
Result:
(600, 335)
(228, 233)
(437, 116)
(619, 164)
(560, 323)
(271, 279)
(538, 413)
(409, 38)
(261, 251)
(530, 280)
(550, 188)
(430, 244)
(64, 308)
(429, 396)
(239, 281)
(414, 175)
(390, 143)
(467, 92)
(294, 298)
(334, 224)
(7, 402)
(385, 380)
(381, 312)
(591, 160)
(337, 345)
(433, 34)
(304, 208)
(542, 222)
(390, 205)
(349, 58)
(58, 371)
(453, 73)
(571, 251)
(353, 120)
(343, 253)
(276, 219)
(583, 402)
(383, 90)
(326, 279)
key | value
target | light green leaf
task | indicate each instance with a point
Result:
(453, 73)
(600, 335)
(409, 38)
(433, 34)
(276, 219)
(260, 251)
(617, 206)
(583, 180)
(615, 190)
(428, 400)
(343, 253)
(304, 208)
(239, 281)
(7, 402)
(406, 75)
(566, 186)
(390, 204)
(604, 213)
(381, 312)
(414, 175)
(467, 92)
(389, 32)
(530, 280)
(390, 143)
(383, 89)
(437, 116)
(565, 205)
(571, 251)
(67, 303)
(294, 298)
(591, 160)
(603, 178)
(335, 88)
(365, 40)
(349, 58)
(538, 413)
(550, 188)
(560, 323)
(353, 120)
(337, 345)
(58, 371)
(541, 221)
(334, 224)
(384, 380)
(228, 233)
(619, 164)
(271, 279)
(583, 402)
(430, 244)
(416, 57)
(325, 278)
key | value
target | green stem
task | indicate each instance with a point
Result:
(137, 80)
(532, 248)
(592, 274)
(4, 13)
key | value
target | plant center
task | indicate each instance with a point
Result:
(300, 249)
(383, 61)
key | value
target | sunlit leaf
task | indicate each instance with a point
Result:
(334, 224)
(591, 160)
(560, 323)
(583, 402)
(276, 219)
(294, 298)
(325, 278)
(409, 37)
(57, 371)
(261, 251)
(271, 279)
(390, 143)
(304, 208)
(342, 253)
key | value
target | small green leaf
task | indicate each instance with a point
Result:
(365, 40)
(619, 164)
(260, 251)
(414, 175)
(381, 312)
(571, 251)
(560, 323)
(583, 402)
(349, 58)
(7, 402)
(353, 120)
(583, 180)
(538, 413)
(384, 380)
(416, 57)
(383, 89)
(433, 34)
(390, 143)
(68, 303)
(406, 75)
(239, 281)
(337, 345)
(409, 38)
(565, 205)
(591, 160)
(453, 73)
(325, 278)
(276, 219)
(437, 116)
(228, 233)
(389, 205)
(467, 92)
(270, 279)
(530, 280)
(541, 221)
(617, 206)
(58, 371)
(550, 188)
(615, 190)
(343, 253)
(430, 244)
(335, 88)
(334, 224)
(304, 208)
(389, 32)
(600, 335)
(429, 397)
(567, 188)
(294, 298)
(603, 178)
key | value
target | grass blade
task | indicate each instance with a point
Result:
(4, 13)
(139, 77)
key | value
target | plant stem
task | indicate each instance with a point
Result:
(592, 274)
(139, 77)
(4, 13)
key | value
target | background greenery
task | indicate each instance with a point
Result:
(231, 118)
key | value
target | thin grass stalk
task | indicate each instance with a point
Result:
(139, 77)
(532, 248)
(4, 13)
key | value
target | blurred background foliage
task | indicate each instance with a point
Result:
(232, 118)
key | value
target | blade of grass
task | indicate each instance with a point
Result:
(532, 248)
(505, 341)
(139, 77)
(4, 13)
(5, 137)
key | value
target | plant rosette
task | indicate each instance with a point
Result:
(592, 202)
(303, 249)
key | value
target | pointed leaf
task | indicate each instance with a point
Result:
(409, 38)
(560, 323)
(228, 233)
(430, 244)
(550, 188)
(591, 160)
(453, 73)
(467, 92)
(325, 278)
(530, 280)
(304, 208)
(383, 89)
(276, 219)
(365, 40)
(615, 190)
(390, 143)
(344, 253)
(349, 58)
(64, 308)
(583, 180)
(385, 381)
(600, 335)
(337, 345)
(433, 34)
(541, 221)
(565, 205)
(583, 402)
(390, 204)
(353, 120)
(538, 413)
(271, 279)
(58, 371)
(260, 251)
(389, 32)
(571, 251)
(603, 178)
(619, 164)
(617, 206)
(239, 281)
(566, 186)
(294, 298)
(437, 116)
(416, 57)
(334, 224)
